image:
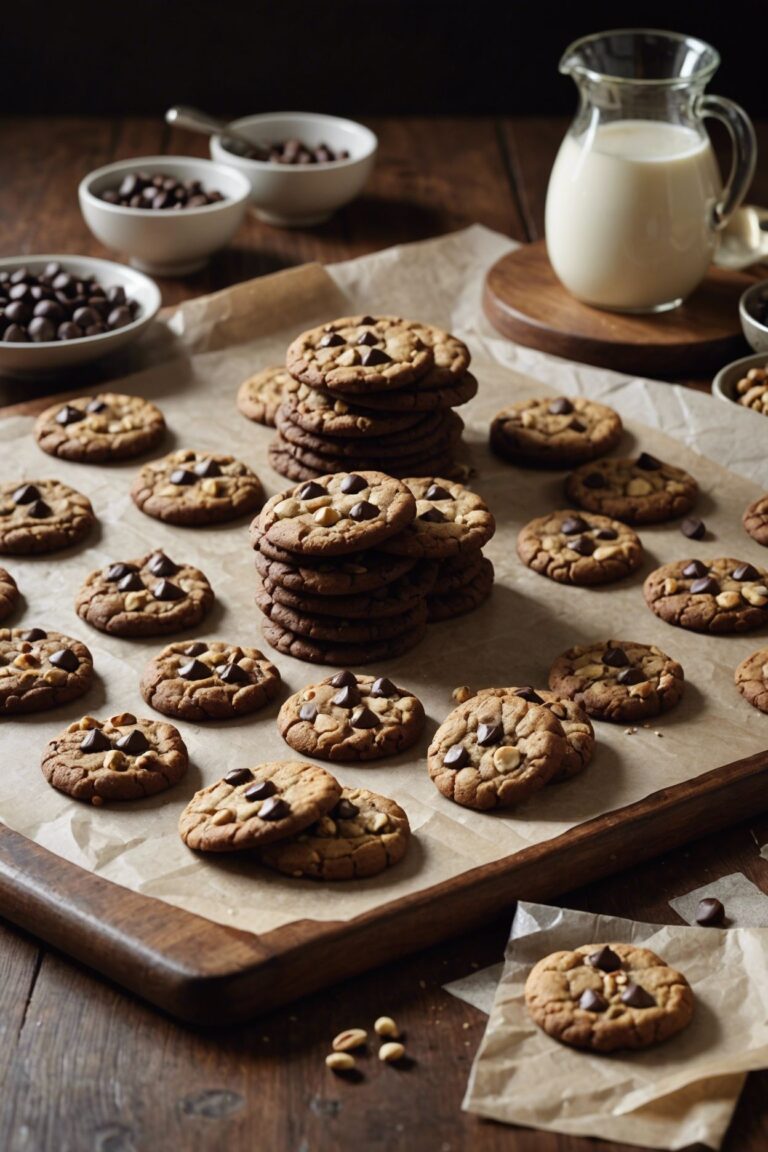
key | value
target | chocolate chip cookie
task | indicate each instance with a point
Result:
(260, 396)
(41, 669)
(340, 653)
(755, 520)
(719, 596)
(642, 490)
(360, 354)
(146, 597)
(9, 594)
(101, 428)
(192, 488)
(42, 516)
(427, 394)
(447, 605)
(449, 520)
(351, 717)
(209, 680)
(495, 751)
(436, 461)
(554, 431)
(123, 758)
(579, 548)
(437, 431)
(323, 415)
(392, 600)
(339, 630)
(618, 680)
(351, 575)
(362, 836)
(608, 996)
(578, 731)
(251, 807)
(751, 679)
(337, 514)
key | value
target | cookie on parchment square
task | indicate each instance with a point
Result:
(42, 516)
(618, 680)
(474, 592)
(41, 669)
(250, 807)
(150, 596)
(641, 490)
(101, 428)
(209, 680)
(450, 519)
(604, 997)
(9, 594)
(340, 653)
(579, 548)
(755, 520)
(391, 600)
(575, 722)
(361, 837)
(360, 354)
(191, 488)
(720, 596)
(554, 431)
(123, 758)
(260, 396)
(351, 717)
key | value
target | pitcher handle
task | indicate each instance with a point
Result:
(742, 135)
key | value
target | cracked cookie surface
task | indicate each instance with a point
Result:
(555, 431)
(360, 353)
(755, 520)
(718, 596)
(579, 548)
(260, 396)
(618, 680)
(41, 669)
(751, 678)
(150, 596)
(450, 519)
(641, 490)
(40, 516)
(192, 488)
(577, 729)
(209, 680)
(98, 429)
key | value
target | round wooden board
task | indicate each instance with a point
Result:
(525, 301)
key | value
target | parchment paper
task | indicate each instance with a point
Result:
(512, 639)
(680, 1093)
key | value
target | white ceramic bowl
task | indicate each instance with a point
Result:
(724, 384)
(159, 241)
(755, 331)
(299, 195)
(49, 357)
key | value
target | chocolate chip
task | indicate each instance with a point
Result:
(352, 484)
(605, 959)
(162, 565)
(347, 697)
(311, 491)
(363, 510)
(706, 586)
(345, 809)
(195, 670)
(95, 405)
(594, 480)
(530, 695)
(196, 648)
(695, 569)
(373, 356)
(66, 659)
(207, 468)
(647, 462)
(34, 634)
(165, 590)
(331, 340)
(232, 674)
(582, 546)
(693, 528)
(577, 426)
(308, 712)
(560, 407)
(367, 338)
(363, 717)
(131, 583)
(573, 524)
(182, 476)
(40, 510)
(118, 571)
(69, 415)
(637, 997)
(615, 658)
(745, 572)
(27, 494)
(456, 757)
(238, 776)
(437, 492)
(383, 687)
(95, 741)
(433, 516)
(343, 679)
(710, 912)
(274, 809)
(607, 534)
(592, 1001)
(489, 734)
(261, 790)
(631, 676)
(134, 743)
(366, 320)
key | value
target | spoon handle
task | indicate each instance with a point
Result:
(181, 116)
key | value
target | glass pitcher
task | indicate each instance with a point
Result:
(635, 200)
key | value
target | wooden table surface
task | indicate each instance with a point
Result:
(84, 1066)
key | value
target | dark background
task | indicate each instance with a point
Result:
(342, 56)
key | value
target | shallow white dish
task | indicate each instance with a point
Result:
(300, 195)
(724, 384)
(754, 330)
(159, 241)
(48, 357)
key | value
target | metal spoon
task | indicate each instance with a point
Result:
(195, 121)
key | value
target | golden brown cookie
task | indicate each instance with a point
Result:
(41, 669)
(642, 490)
(578, 731)
(192, 488)
(360, 354)
(101, 428)
(618, 680)
(720, 596)
(42, 516)
(579, 548)
(555, 431)
(751, 679)
(260, 396)
(150, 596)
(450, 519)
(209, 680)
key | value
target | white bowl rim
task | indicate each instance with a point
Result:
(135, 162)
(744, 363)
(106, 265)
(759, 285)
(370, 138)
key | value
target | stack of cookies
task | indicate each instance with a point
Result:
(372, 394)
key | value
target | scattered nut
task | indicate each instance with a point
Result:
(391, 1052)
(462, 694)
(350, 1038)
(340, 1061)
(385, 1026)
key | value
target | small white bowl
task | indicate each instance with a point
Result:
(300, 195)
(755, 332)
(52, 356)
(724, 384)
(156, 240)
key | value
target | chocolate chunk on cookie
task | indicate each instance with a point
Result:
(193, 488)
(751, 679)
(209, 680)
(254, 806)
(42, 516)
(123, 758)
(720, 596)
(9, 594)
(450, 519)
(578, 731)
(360, 353)
(150, 596)
(362, 836)
(641, 490)
(101, 428)
(351, 717)
(618, 680)
(554, 431)
(340, 653)
(755, 520)
(607, 997)
(579, 548)
(448, 604)
(260, 396)
(41, 669)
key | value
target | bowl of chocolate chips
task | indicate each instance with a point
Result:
(59, 312)
(302, 167)
(167, 214)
